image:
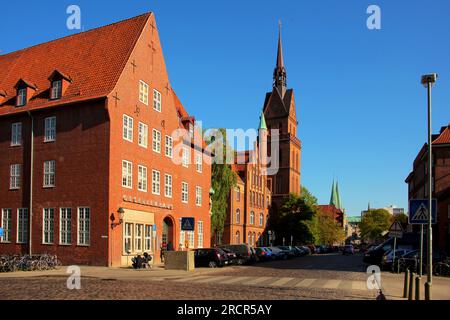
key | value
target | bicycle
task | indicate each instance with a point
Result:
(441, 269)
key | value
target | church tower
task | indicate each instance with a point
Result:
(279, 113)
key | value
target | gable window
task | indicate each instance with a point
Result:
(198, 196)
(143, 92)
(168, 185)
(84, 225)
(65, 226)
(156, 141)
(49, 173)
(56, 89)
(185, 159)
(199, 163)
(21, 97)
(127, 174)
(191, 130)
(14, 180)
(143, 135)
(50, 129)
(142, 178)
(22, 225)
(6, 225)
(48, 226)
(16, 134)
(184, 192)
(157, 100)
(261, 219)
(169, 147)
(252, 218)
(238, 194)
(156, 182)
(127, 128)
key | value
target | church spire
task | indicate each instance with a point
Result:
(279, 74)
(335, 196)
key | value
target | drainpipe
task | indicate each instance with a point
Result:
(30, 209)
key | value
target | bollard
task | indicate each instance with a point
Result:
(428, 287)
(406, 284)
(411, 286)
(418, 287)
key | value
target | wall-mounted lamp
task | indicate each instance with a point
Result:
(121, 213)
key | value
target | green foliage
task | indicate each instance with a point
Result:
(374, 223)
(329, 231)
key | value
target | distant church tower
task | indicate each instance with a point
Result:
(279, 113)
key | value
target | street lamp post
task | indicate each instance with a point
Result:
(428, 81)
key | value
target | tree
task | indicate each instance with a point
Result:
(374, 223)
(329, 231)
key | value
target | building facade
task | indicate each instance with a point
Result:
(417, 182)
(100, 160)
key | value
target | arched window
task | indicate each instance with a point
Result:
(261, 219)
(238, 216)
(249, 238)
(238, 194)
(252, 218)
(238, 237)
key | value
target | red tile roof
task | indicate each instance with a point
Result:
(93, 60)
(444, 136)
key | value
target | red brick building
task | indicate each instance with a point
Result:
(417, 182)
(89, 157)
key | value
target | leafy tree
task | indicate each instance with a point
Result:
(329, 231)
(374, 223)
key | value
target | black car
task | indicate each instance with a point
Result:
(244, 253)
(210, 257)
(232, 257)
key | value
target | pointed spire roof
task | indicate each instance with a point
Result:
(280, 60)
(262, 122)
(279, 74)
(335, 199)
(340, 206)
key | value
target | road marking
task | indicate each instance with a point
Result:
(359, 285)
(212, 279)
(305, 283)
(331, 284)
(191, 278)
(281, 282)
(257, 280)
(234, 280)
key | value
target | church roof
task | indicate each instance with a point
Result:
(262, 122)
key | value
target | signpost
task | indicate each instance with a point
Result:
(395, 231)
(1, 232)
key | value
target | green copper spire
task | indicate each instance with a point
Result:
(335, 197)
(262, 122)
(340, 206)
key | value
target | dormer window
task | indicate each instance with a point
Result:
(191, 130)
(25, 91)
(2, 96)
(56, 92)
(21, 97)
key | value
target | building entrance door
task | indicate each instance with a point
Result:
(167, 233)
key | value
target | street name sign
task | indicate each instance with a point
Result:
(419, 211)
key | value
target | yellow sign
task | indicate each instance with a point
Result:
(186, 244)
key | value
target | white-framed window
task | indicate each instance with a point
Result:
(138, 237)
(56, 89)
(156, 100)
(143, 134)
(156, 182)
(21, 97)
(169, 147)
(184, 192)
(238, 194)
(14, 179)
(199, 163)
(238, 216)
(127, 128)
(48, 226)
(156, 141)
(65, 226)
(168, 185)
(200, 234)
(49, 173)
(148, 238)
(261, 219)
(252, 218)
(50, 129)
(182, 236)
(191, 130)
(198, 196)
(143, 92)
(22, 225)
(142, 178)
(127, 238)
(127, 174)
(191, 239)
(6, 225)
(16, 134)
(84, 226)
(185, 159)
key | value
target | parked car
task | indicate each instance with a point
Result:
(210, 257)
(348, 250)
(306, 249)
(312, 248)
(289, 251)
(253, 256)
(387, 260)
(299, 252)
(270, 253)
(243, 252)
(263, 254)
(232, 257)
(411, 260)
(279, 254)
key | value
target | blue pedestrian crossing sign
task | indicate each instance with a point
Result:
(187, 224)
(419, 211)
(1, 232)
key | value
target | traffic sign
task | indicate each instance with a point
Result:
(187, 224)
(396, 230)
(419, 211)
(1, 232)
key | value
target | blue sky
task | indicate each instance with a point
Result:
(360, 105)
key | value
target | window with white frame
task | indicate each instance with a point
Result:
(169, 146)
(148, 238)
(238, 194)
(168, 185)
(142, 178)
(127, 237)
(6, 225)
(84, 226)
(182, 236)
(156, 182)
(16, 134)
(252, 218)
(199, 163)
(200, 234)
(238, 216)
(21, 97)
(261, 219)
(48, 226)
(49, 173)
(50, 129)
(143, 135)
(184, 192)
(14, 180)
(185, 159)
(143, 92)
(22, 225)
(156, 141)
(191, 239)
(127, 174)
(65, 226)
(138, 237)
(198, 196)
(156, 100)
(56, 89)
(191, 130)
(127, 128)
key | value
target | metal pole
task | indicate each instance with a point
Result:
(421, 250)
(393, 258)
(406, 284)
(30, 210)
(428, 285)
